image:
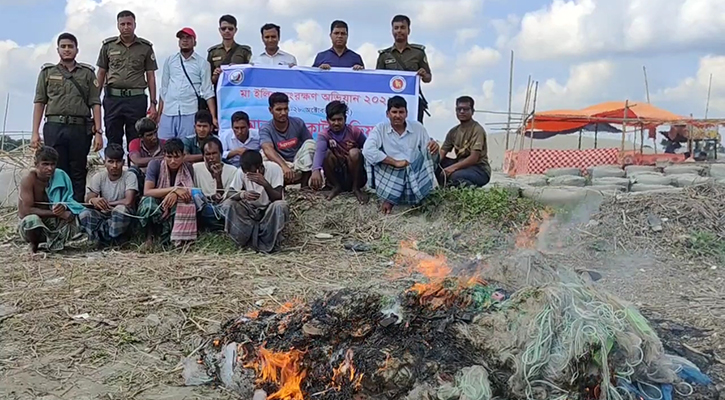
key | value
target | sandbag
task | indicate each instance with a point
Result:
(643, 187)
(509, 185)
(652, 179)
(532, 180)
(553, 172)
(578, 181)
(561, 196)
(634, 169)
(653, 192)
(687, 180)
(607, 190)
(623, 182)
(682, 169)
(606, 171)
(717, 171)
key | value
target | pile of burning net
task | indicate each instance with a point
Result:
(446, 339)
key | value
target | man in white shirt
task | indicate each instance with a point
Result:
(258, 213)
(185, 87)
(400, 158)
(214, 178)
(272, 54)
(239, 139)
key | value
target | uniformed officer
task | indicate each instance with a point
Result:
(66, 93)
(126, 67)
(404, 56)
(227, 52)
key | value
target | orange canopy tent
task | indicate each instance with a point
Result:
(612, 112)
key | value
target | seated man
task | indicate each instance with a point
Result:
(214, 178)
(167, 208)
(400, 158)
(258, 213)
(146, 146)
(203, 125)
(112, 194)
(468, 139)
(240, 139)
(287, 141)
(46, 206)
(339, 154)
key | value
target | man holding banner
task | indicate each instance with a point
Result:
(287, 141)
(400, 158)
(404, 56)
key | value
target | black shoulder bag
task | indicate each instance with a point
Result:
(200, 100)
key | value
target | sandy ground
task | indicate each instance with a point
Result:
(117, 324)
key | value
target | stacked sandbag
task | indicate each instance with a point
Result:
(532, 180)
(652, 178)
(644, 187)
(607, 190)
(684, 169)
(687, 180)
(555, 172)
(611, 181)
(561, 196)
(504, 182)
(717, 171)
(664, 190)
(606, 171)
(568, 180)
(639, 169)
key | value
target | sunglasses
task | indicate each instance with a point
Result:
(226, 28)
(463, 109)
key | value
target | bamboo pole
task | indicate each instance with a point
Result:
(596, 134)
(522, 130)
(533, 116)
(709, 90)
(624, 123)
(646, 84)
(511, 89)
(5, 121)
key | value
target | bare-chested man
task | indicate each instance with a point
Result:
(46, 207)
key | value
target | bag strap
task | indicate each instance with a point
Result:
(181, 60)
(67, 75)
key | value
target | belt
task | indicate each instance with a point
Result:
(125, 92)
(64, 119)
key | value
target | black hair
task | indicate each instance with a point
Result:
(46, 154)
(278, 98)
(250, 160)
(397, 102)
(465, 99)
(229, 19)
(336, 107)
(338, 24)
(401, 18)
(203, 116)
(267, 27)
(240, 116)
(67, 36)
(114, 151)
(145, 125)
(174, 146)
(126, 13)
(212, 139)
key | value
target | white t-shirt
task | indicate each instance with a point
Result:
(279, 58)
(272, 173)
(104, 187)
(204, 181)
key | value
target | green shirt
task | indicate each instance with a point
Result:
(413, 58)
(237, 54)
(126, 66)
(466, 138)
(61, 96)
(191, 146)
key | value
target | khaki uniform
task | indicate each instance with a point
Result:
(238, 54)
(412, 58)
(125, 100)
(68, 117)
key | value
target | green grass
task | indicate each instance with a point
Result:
(707, 245)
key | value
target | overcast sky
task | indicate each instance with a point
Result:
(582, 51)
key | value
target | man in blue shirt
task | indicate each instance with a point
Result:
(338, 55)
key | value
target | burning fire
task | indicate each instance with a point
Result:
(346, 370)
(528, 237)
(284, 369)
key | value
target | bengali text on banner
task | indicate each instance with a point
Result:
(247, 88)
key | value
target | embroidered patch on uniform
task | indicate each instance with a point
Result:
(217, 58)
(390, 61)
(95, 82)
(425, 59)
(56, 77)
(114, 53)
(153, 57)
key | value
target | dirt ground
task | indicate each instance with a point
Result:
(117, 324)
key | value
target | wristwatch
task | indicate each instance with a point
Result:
(154, 102)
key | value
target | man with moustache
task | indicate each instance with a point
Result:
(228, 52)
(404, 56)
(339, 55)
(185, 89)
(272, 54)
(68, 95)
(126, 68)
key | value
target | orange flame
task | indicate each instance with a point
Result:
(346, 369)
(283, 369)
(528, 237)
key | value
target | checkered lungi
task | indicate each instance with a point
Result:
(409, 185)
(105, 227)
